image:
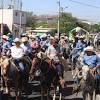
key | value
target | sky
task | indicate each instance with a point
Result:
(51, 7)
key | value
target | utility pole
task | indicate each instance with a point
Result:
(2, 4)
(20, 31)
(58, 30)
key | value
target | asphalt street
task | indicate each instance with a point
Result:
(34, 91)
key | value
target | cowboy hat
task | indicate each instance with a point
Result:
(33, 36)
(81, 37)
(5, 37)
(77, 36)
(16, 40)
(62, 37)
(52, 38)
(89, 48)
(24, 39)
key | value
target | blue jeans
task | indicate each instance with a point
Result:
(60, 69)
(19, 63)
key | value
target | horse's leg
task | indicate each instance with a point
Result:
(90, 96)
(7, 88)
(84, 95)
(17, 91)
(2, 83)
(97, 97)
(54, 96)
(60, 96)
(48, 94)
(94, 95)
(42, 95)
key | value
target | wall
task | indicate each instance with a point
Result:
(11, 17)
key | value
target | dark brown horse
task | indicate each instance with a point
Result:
(48, 74)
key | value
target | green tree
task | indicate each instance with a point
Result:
(31, 20)
(67, 22)
(96, 27)
(42, 24)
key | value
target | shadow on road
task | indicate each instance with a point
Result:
(34, 93)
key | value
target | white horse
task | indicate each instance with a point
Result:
(87, 83)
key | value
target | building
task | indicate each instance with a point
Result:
(40, 31)
(15, 20)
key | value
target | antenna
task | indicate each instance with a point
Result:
(15, 4)
(12, 4)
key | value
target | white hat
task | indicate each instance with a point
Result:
(24, 34)
(33, 36)
(81, 36)
(48, 35)
(16, 40)
(89, 48)
(5, 37)
(62, 36)
(52, 38)
(29, 35)
(56, 37)
(24, 39)
(66, 38)
(9, 34)
(77, 36)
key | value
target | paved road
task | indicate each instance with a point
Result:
(34, 91)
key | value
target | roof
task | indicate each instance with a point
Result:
(43, 30)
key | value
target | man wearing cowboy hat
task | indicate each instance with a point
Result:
(53, 53)
(34, 43)
(78, 46)
(17, 54)
(6, 44)
(90, 58)
(26, 46)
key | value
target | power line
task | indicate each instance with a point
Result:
(93, 6)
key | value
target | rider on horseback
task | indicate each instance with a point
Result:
(90, 58)
(78, 47)
(17, 54)
(26, 47)
(6, 44)
(53, 52)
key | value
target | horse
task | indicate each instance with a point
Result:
(97, 41)
(87, 83)
(10, 73)
(48, 74)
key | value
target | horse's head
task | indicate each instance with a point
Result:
(4, 63)
(85, 72)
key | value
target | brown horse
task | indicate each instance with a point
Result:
(48, 74)
(12, 77)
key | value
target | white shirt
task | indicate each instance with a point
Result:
(52, 53)
(17, 53)
(25, 48)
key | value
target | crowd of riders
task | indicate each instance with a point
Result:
(54, 48)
